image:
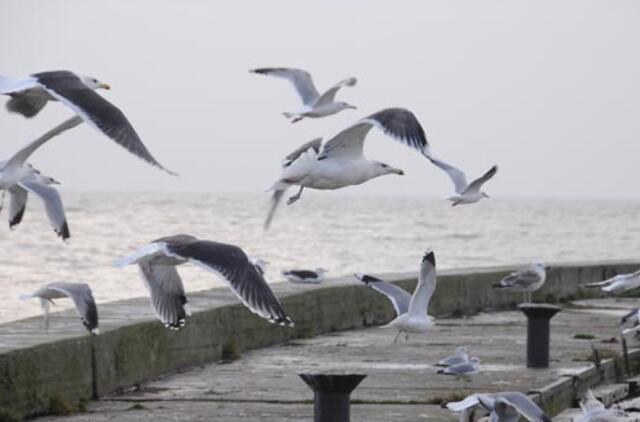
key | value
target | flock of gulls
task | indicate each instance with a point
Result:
(334, 164)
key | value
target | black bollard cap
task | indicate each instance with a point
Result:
(332, 383)
(539, 310)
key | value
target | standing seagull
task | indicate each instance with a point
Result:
(462, 370)
(412, 311)
(504, 407)
(527, 280)
(158, 261)
(30, 94)
(466, 193)
(305, 276)
(82, 298)
(19, 178)
(314, 104)
(618, 283)
(459, 356)
(341, 162)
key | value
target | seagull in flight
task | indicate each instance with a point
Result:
(594, 411)
(19, 178)
(503, 407)
(618, 283)
(527, 280)
(314, 104)
(30, 94)
(158, 260)
(411, 310)
(79, 293)
(466, 193)
(340, 162)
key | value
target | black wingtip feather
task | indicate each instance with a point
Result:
(430, 257)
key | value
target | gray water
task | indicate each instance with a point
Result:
(342, 233)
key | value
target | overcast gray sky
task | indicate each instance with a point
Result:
(549, 90)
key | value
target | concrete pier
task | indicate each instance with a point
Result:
(67, 368)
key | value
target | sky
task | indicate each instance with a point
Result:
(548, 90)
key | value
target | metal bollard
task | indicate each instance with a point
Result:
(332, 395)
(538, 318)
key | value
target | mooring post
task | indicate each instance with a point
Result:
(538, 318)
(332, 395)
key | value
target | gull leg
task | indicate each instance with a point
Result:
(396, 339)
(406, 337)
(295, 197)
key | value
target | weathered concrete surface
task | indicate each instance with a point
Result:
(134, 347)
(402, 384)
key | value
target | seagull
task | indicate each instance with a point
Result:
(594, 411)
(19, 178)
(82, 298)
(340, 161)
(30, 94)
(504, 407)
(463, 369)
(305, 276)
(459, 356)
(412, 311)
(466, 193)
(618, 283)
(526, 280)
(158, 260)
(314, 104)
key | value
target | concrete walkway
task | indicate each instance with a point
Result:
(402, 385)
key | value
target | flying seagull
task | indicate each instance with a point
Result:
(30, 94)
(466, 193)
(82, 298)
(340, 161)
(594, 411)
(463, 369)
(19, 178)
(314, 104)
(305, 276)
(412, 311)
(527, 280)
(158, 261)
(503, 407)
(459, 356)
(618, 283)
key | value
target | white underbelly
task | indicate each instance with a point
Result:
(332, 174)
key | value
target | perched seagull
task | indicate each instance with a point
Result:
(618, 283)
(30, 94)
(527, 280)
(463, 369)
(412, 311)
(594, 411)
(503, 407)
(340, 162)
(158, 261)
(459, 356)
(305, 276)
(18, 178)
(466, 193)
(314, 104)
(82, 298)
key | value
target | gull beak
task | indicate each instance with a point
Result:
(352, 107)
(105, 86)
(398, 172)
(55, 182)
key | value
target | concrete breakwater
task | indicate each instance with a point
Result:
(66, 367)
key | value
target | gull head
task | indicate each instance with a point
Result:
(93, 83)
(383, 169)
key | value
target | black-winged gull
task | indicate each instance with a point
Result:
(466, 193)
(314, 104)
(18, 178)
(412, 310)
(526, 280)
(31, 93)
(340, 162)
(79, 293)
(158, 261)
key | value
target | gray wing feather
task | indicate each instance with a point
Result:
(329, 96)
(82, 297)
(17, 204)
(520, 279)
(233, 265)
(476, 184)
(28, 102)
(276, 198)
(316, 144)
(167, 293)
(456, 175)
(300, 79)
(399, 297)
(525, 406)
(53, 206)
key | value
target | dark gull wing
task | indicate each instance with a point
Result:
(399, 297)
(53, 206)
(398, 123)
(69, 89)
(18, 203)
(476, 184)
(83, 300)
(167, 293)
(519, 279)
(233, 265)
(300, 79)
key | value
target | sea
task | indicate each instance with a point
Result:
(343, 233)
